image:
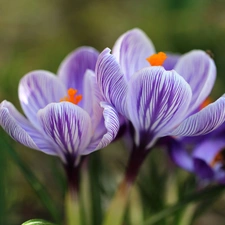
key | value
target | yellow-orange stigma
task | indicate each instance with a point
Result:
(72, 97)
(157, 59)
(205, 103)
(218, 158)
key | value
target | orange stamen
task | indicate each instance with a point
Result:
(72, 97)
(218, 158)
(205, 103)
(157, 59)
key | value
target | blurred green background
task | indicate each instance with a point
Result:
(38, 34)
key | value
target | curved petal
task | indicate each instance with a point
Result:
(205, 121)
(131, 51)
(73, 67)
(157, 101)
(208, 149)
(203, 170)
(69, 126)
(36, 90)
(111, 81)
(171, 61)
(199, 70)
(112, 126)
(20, 129)
(92, 98)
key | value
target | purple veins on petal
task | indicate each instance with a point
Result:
(68, 125)
(36, 90)
(157, 100)
(131, 51)
(20, 129)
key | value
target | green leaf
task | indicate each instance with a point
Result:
(37, 222)
(207, 193)
(37, 186)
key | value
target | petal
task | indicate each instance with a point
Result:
(199, 70)
(131, 51)
(92, 98)
(157, 101)
(202, 169)
(179, 155)
(73, 67)
(68, 125)
(111, 81)
(36, 90)
(20, 129)
(171, 61)
(208, 149)
(205, 121)
(112, 125)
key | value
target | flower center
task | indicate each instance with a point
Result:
(219, 158)
(72, 97)
(157, 59)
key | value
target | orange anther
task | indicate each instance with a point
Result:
(157, 59)
(205, 103)
(72, 97)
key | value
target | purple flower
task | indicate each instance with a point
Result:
(57, 124)
(202, 155)
(155, 101)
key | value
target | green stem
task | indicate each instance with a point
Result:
(72, 208)
(115, 213)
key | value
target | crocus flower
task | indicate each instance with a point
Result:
(64, 116)
(202, 155)
(157, 102)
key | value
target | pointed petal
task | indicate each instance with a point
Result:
(203, 122)
(72, 69)
(20, 129)
(157, 101)
(36, 90)
(199, 70)
(131, 51)
(68, 125)
(171, 61)
(180, 156)
(111, 81)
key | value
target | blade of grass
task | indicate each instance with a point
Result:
(195, 197)
(36, 185)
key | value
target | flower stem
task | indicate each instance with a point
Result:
(116, 210)
(72, 196)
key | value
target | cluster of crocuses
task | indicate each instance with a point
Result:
(150, 98)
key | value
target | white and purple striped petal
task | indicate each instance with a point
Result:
(157, 101)
(20, 129)
(199, 70)
(69, 126)
(36, 90)
(131, 51)
(111, 127)
(111, 81)
(74, 66)
(203, 122)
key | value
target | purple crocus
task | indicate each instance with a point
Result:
(202, 155)
(64, 123)
(154, 101)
